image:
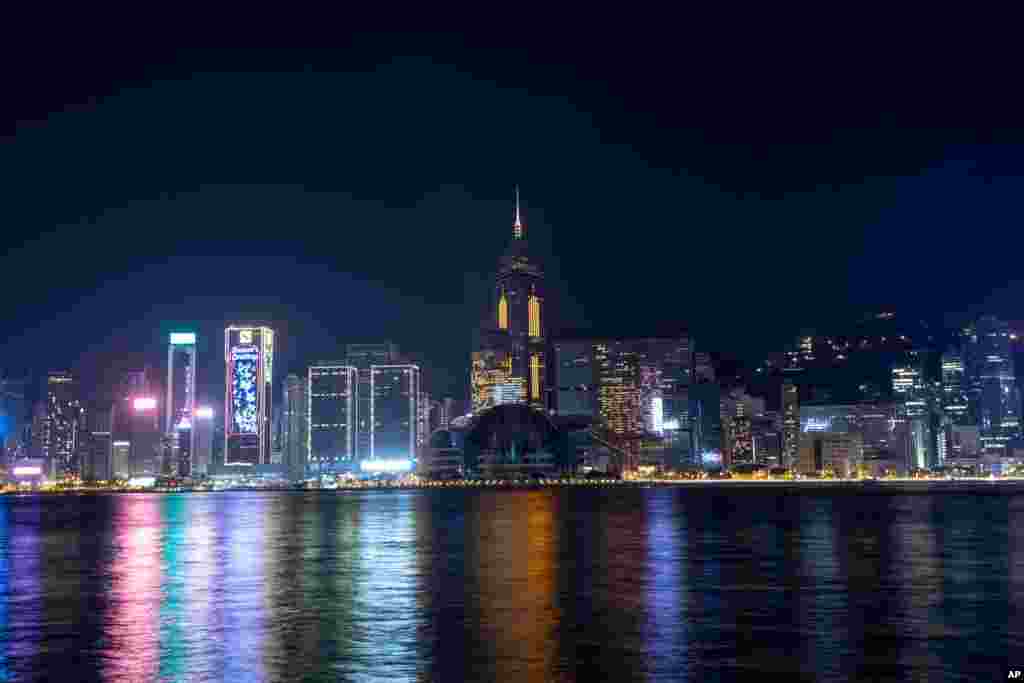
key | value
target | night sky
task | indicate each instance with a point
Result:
(740, 183)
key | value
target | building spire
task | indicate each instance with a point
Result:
(517, 224)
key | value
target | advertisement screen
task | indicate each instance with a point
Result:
(244, 375)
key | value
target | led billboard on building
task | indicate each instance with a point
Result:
(248, 352)
(244, 388)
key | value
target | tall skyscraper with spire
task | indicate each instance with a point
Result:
(510, 360)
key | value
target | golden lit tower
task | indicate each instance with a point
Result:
(514, 340)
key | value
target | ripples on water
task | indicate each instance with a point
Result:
(559, 584)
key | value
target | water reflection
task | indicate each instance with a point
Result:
(824, 626)
(196, 565)
(515, 582)
(244, 615)
(547, 585)
(386, 590)
(131, 632)
(5, 593)
(665, 627)
(1015, 571)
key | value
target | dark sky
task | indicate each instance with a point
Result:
(742, 182)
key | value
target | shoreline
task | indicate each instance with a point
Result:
(974, 486)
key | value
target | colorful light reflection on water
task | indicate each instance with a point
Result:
(548, 585)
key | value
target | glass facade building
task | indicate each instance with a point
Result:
(181, 396)
(395, 392)
(295, 427)
(993, 397)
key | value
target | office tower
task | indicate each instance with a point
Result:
(295, 428)
(14, 409)
(395, 391)
(447, 412)
(886, 435)
(953, 404)
(575, 378)
(703, 367)
(954, 397)
(145, 437)
(766, 433)
(631, 388)
(203, 425)
(98, 463)
(249, 356)
(362, 357)
(830, 454)
(670, 363)
(510, 359)
(738, 412)
(181, 401)
(423, 408)
(331, 411)
(790, 423)
(911, 388)
(39, 448)
(276, 433)
(136, 425)
(706, 424)
(619, 397)
(120, 459)
(993, 398)
(181, 380)
(61, 425)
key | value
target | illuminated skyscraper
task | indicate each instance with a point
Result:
(993, 398)
(98, 461)
(249, 357)
(136, 425)
(394, 412)
(575, 377)
(738, 410)
(511, 351)
(954, 406)
(61, 426)
(181, 394)
(14, 416)
(912, 389)
(331, 410)
(361, 357)
(790, 424)
(954, 397)
(295, 427)
(202, 440)
(619, 395)
(181, 380)
(423, 409)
